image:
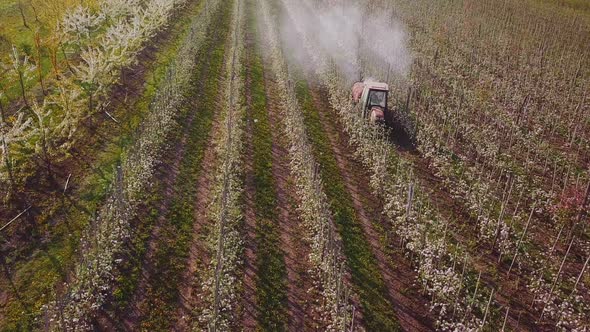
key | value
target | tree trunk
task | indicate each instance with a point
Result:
(39, 65)
(34, 12)
(22, 14)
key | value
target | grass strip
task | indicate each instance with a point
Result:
(368, 282)
(172, 254)
(270, 284)
(33, 280)
(129, 272)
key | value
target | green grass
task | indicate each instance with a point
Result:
(129, 273)
(270, 285)
(367, 280)
(13, 32)
(580, 5)
(34, 278)
(171, 255)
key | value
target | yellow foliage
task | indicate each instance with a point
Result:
(51, 12)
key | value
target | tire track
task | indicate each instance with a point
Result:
(295, 250)
(268, 180)
(196, 137)
(249, 306)
(192, 295)
(410, 306)
(215, 259)
(190, 289)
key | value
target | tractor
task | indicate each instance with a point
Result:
(371, 97)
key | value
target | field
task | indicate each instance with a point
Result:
(202, 165)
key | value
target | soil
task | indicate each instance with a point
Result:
(50, 202)
(192, 295)
(167, 173)
(249, 311)
(291, 234)
(512, 291)
(409, 305)
(47, 197)
(296, 251)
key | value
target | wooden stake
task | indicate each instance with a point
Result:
(557, 276)
(580, 275)
(14, 219)
(487, 309)
(521, 238)
(505, 319)
(67, 182)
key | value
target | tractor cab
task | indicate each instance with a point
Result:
(372, 100)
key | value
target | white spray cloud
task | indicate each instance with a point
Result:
(345, 32)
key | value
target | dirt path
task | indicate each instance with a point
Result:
(249, 312)
(249, 301)
(167, 173)
(95, 135)
(185, 192)
(98, 139)
(508, 291)
(398, 274)
(191, 292)
(267, 156)
(296, 251)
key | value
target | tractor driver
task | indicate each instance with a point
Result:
(377, 98)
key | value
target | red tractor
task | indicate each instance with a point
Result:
(372, 99)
